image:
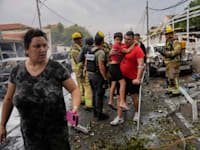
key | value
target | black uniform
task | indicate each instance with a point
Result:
(144, 50)
(97, 81)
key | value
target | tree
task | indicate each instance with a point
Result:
(193, 21)
(60, 27)
(61, 35)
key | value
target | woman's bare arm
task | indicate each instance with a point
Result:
(70, 85)
(6, 110)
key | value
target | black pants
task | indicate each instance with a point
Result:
(115, 72)
(96, 83)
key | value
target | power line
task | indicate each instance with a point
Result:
(33, 19)
(141, 23)
(36, 13)
(58, 15)
(173, 6)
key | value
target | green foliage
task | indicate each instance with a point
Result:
(134, 143)
(181, 25)
(62, 35)
(194, 3)
(193, 21)
(150, 33)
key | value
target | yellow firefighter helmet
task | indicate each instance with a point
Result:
(100, 34)
(76, 35)
(168, 30)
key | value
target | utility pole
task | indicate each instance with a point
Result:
(147, 10)
(188, 26)
(38, 10)
(147, 65)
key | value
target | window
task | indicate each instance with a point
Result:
(7, 50)
(7, 47)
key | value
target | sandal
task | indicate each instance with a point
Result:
(112, 107)
(124, 109)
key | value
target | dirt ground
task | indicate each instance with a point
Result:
(158, 126)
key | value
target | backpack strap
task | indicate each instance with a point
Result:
(96, 50)
(171, 44)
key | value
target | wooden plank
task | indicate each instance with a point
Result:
(192, 102)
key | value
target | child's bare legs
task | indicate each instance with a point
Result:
(122, 89)
(112, 89)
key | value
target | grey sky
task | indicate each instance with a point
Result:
(105, 15)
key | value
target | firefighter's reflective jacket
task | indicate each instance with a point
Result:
(75, 49)
(172, 51)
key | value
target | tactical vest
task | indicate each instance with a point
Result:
(91, 61)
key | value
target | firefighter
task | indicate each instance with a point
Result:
(81, 58)
(172, 59)
(75, 49)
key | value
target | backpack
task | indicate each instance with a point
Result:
(183, 46)
(91, 61)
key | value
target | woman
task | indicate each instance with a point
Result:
(35, 88)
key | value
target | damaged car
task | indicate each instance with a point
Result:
(11, 53)
(64, 58)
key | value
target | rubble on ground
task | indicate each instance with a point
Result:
(160, 125)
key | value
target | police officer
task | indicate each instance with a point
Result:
(96, 62)
(75, 49)
(172, 59)
(106, 49)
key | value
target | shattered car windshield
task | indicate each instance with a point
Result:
(158, 48)
(59, 56)
(7, 50)
(11, 50)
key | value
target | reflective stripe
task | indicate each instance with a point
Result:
(169, 89)
(177, 46)
(169, 61)
(74, 51)
(79, 64)
(176, 83)
(82, 98)
(88, 91)
(175, 89)
(80, 84)
(75, 67)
